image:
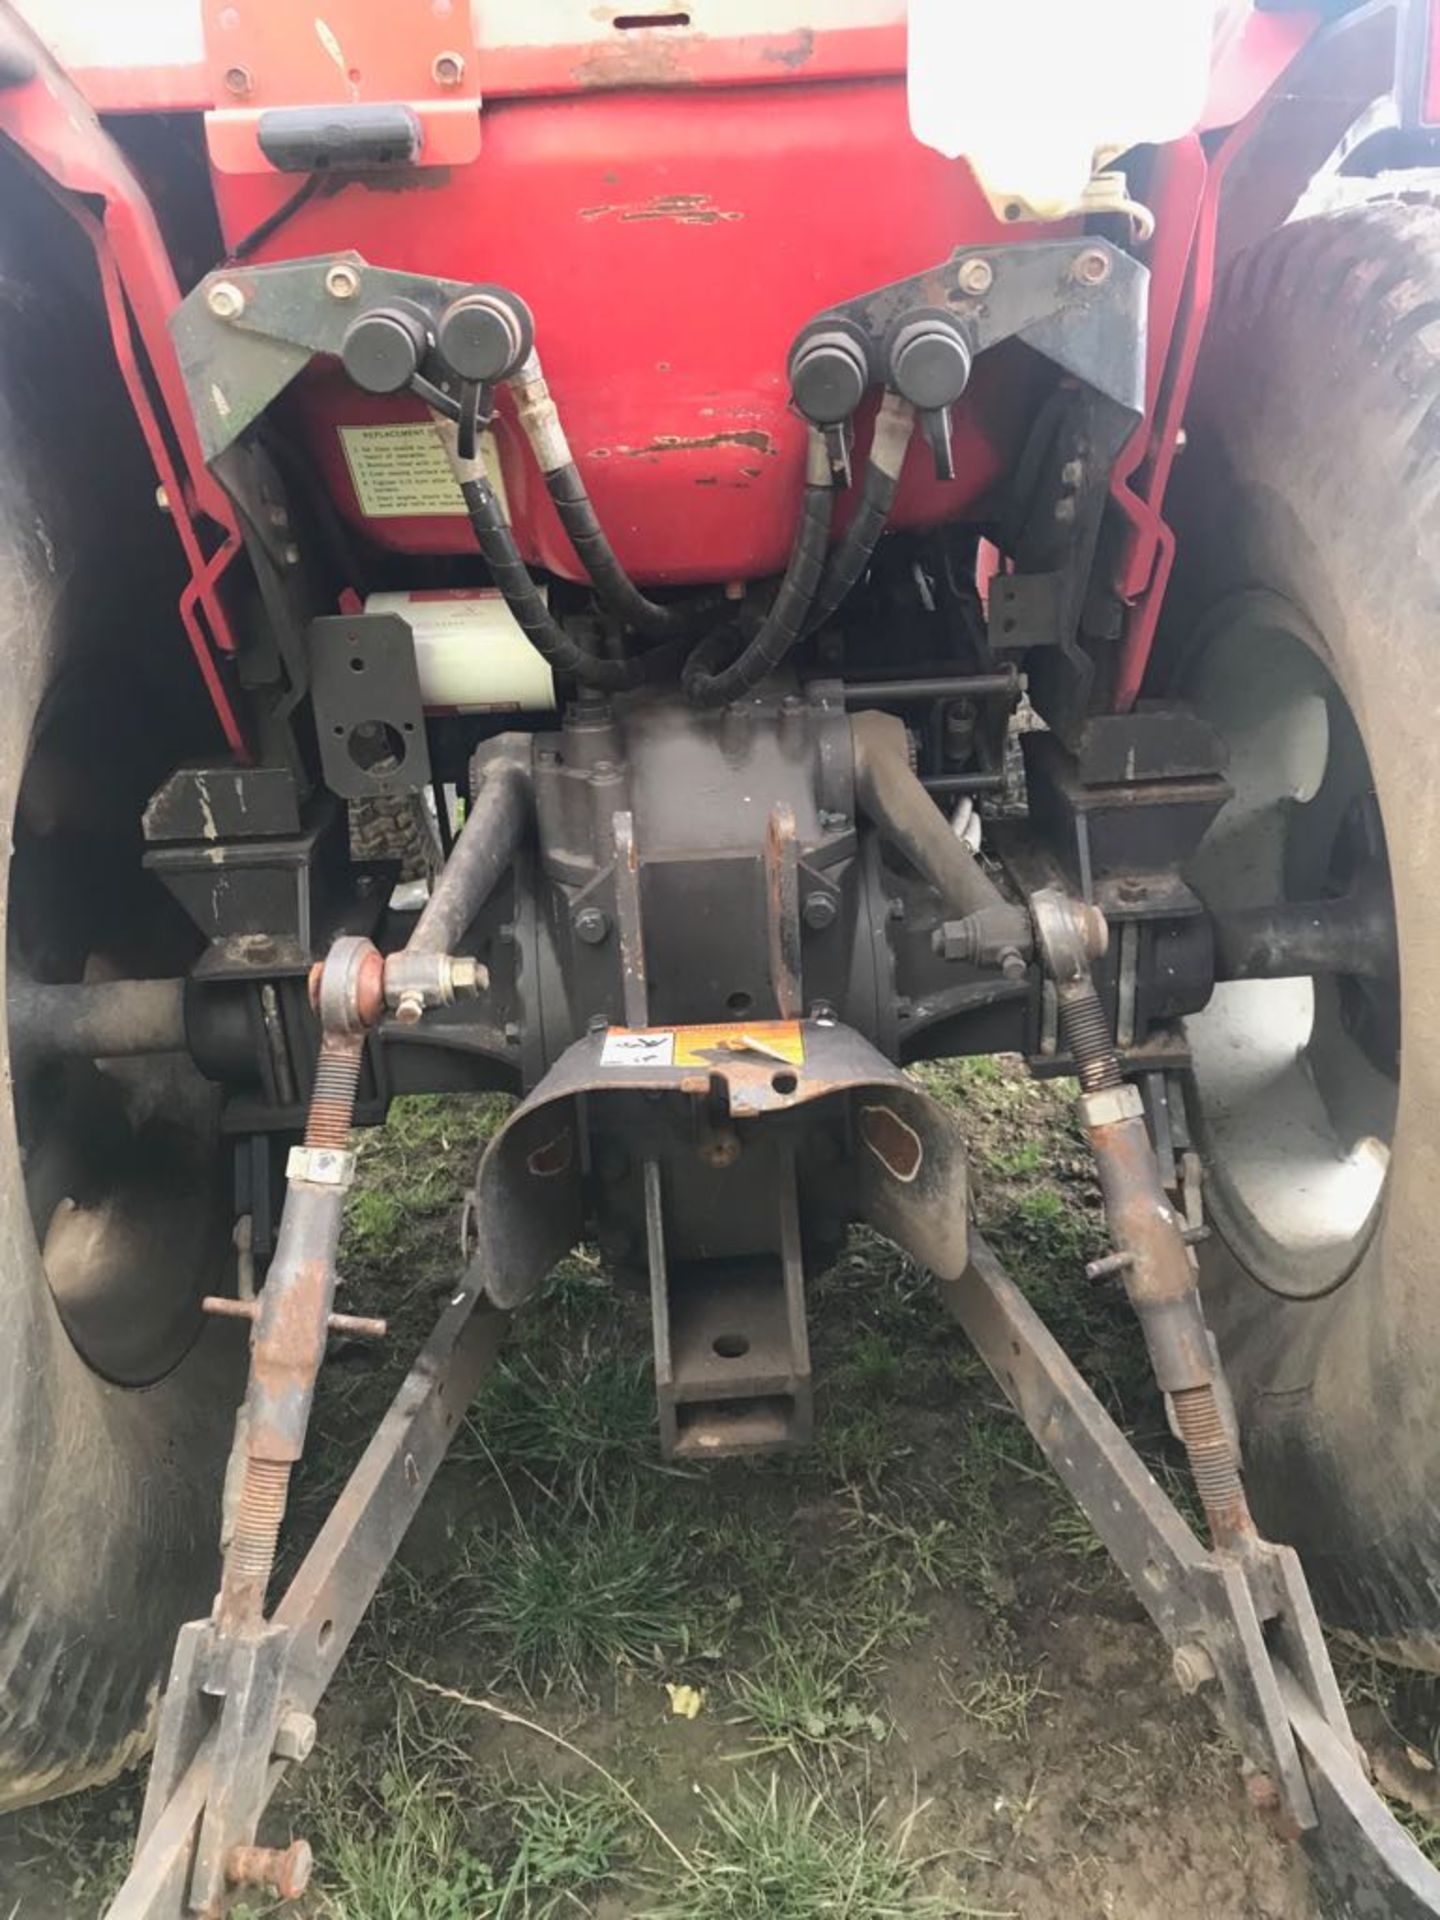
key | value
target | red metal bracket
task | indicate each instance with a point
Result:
(50, 123)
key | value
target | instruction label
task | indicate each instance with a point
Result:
(782, 1041)
(400, 472)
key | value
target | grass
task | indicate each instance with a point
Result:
(568, 1844)
(576, 1594)
(808, 1694)
(768, 1852)
(1000, 1699)
(569, 1424)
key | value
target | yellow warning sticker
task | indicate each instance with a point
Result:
(782, 1041)
(401, 471)
(778, 1040)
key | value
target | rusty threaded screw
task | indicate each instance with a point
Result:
(332, 1099)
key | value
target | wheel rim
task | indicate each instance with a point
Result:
(121, 1159)
(1296, 1081)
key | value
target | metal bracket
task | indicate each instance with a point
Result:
(1079, 302)
(369, 719)
(1241, 1620)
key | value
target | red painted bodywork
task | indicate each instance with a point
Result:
(674, 208)
(670, 248)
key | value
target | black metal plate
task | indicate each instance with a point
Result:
(368, 716)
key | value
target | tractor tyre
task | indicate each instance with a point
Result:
(1302, 622)
(117, 1397)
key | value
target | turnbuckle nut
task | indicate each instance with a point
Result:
(1109, 1105)
(283, 1870)
(321, 1166)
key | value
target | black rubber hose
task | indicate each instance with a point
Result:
(491, 527)
(708, 686)
(614, 588)
(855, 549)
(527, 603)
(616, 591)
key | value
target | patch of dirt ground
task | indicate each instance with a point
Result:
(894, 1676)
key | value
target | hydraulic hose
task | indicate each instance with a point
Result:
(708, 684)
(894, 424)
(616, 591)
(492, 532)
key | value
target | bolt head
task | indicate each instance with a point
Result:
(976, 276)
(591, 926)
(225, 300)
(1192, 1667)
(819, 911)
(342, 282)
(1091, 267)
(448, 69)
(239, 80)
(295, 1736)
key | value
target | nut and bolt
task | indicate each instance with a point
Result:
(592, 925)
(239, 80)
(225, 300)
(283, 1870)
(342, 282)
(1192, 1667)
(1091, 267)
(410, 1007)
(448, 69)
(819, 911)
(295, 1735)
(720, 1147)
(976, 276)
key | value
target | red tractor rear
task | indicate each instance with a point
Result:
(681, 480)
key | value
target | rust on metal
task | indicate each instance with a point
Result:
(782, 911)
(283, 1870)
(753, 437)
(627, 914)
(552, 1156)
(685, 209)
(795, 52)
(893, 1141)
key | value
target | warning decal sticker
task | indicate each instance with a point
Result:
(625, 1049)
(401, 473)
(779, 1040)
(782, 1041)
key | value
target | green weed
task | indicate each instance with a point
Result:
(770, 1853)
(586, 1589)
